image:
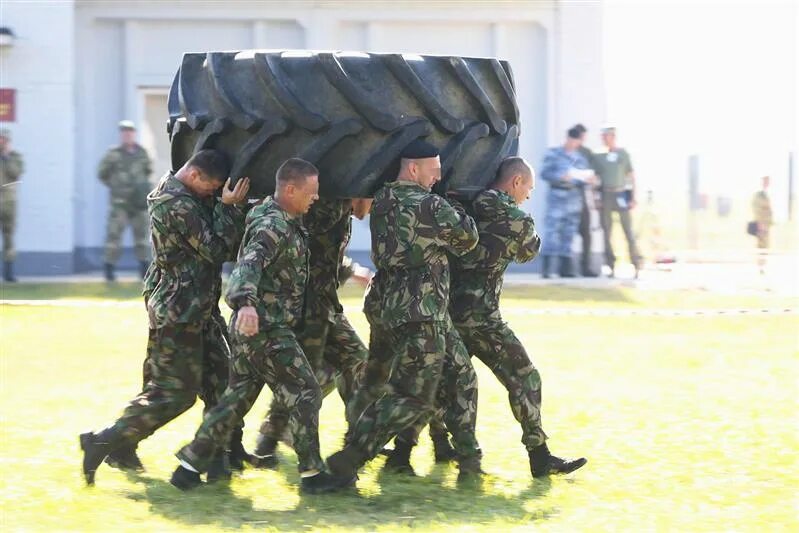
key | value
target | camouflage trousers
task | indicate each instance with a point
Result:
(174, 373)
(609, 205)
(456, 399)
(337, 356)
(491, 340)
(274, 358)
(119, 217)
(418, 362)
(375, 374)
(215, 363)
(8, 224)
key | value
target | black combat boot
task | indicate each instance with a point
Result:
(218, 469)
(545, 266)
(143, 266)
(125, 458)
(470, 470)
(185, 479)
(323, 482)
(543, 463)
(442, 449)
(8, 272)
(399, 462)
(109, 272)
(238, 455)
(346, 462)
(565, 270)
(95, 449)
(264, 454)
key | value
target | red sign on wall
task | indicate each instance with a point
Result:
(8, 107)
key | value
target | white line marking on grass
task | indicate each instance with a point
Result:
(566, 311)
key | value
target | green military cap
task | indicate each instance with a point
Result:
(608, 128)
(127, 125)
(5, 132)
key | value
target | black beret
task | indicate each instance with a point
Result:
(419, 149)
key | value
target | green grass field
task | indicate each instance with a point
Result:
(689, 423)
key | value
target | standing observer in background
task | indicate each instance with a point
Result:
(565, 169)
(11, 168)
(125, 169)
(761, 210)
(590, 225)
(615, 171)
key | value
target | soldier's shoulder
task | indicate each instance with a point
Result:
(268, 216)
(172, 194)
(495, 204)
(431, 201)
(141, 151)
(176, 202)
(325, 212)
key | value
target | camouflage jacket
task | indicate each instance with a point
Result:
(127, 176)
(272, 269)
(329, 226)
(506, 234)
(190, 243)
(11, 168)
(412, 232)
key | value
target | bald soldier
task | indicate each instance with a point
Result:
(413, 230)
(507, 234)
(125, 170)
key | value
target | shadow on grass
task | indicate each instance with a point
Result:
(77, 291)
(403, 502)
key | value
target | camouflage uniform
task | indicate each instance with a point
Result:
(506, 234)
(11, 168)
(127, 175)
(456, 399)
(189, 243)
(761, 209)
(271, 275)
(329, 342)
(412, 231)
(216, 345)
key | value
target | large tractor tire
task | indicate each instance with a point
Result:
(350, 114)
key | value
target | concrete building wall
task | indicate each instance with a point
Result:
(126, 54)
(40, 66)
